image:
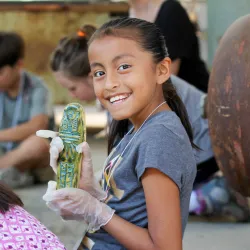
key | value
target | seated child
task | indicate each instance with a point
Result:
(19, 229)
(24, 109)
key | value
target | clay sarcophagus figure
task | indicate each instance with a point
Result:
(72, 131)
(229, 105)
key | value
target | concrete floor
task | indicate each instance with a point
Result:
(200, 234)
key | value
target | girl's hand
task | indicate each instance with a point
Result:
(87, 182)
(77, 204)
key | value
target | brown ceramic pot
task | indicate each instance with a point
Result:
(229, 105)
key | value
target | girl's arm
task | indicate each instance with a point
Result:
(164, 217)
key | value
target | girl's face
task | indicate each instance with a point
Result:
(126, 80)
(80, 88)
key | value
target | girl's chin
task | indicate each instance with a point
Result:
(119, 117)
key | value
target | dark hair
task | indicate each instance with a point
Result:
(71, 53)
(8, 198)
(150, 39)
(11, 48)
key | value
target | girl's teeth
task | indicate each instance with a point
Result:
(117, 98)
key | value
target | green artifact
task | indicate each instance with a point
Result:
(72, 131)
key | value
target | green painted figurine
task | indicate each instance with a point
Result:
(72, 131)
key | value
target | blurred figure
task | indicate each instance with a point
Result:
(19, 229)
(70, 64)
(180, 37)
(24, 109)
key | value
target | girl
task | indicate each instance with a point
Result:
(70, 65)
(19, 229)
(72, 52)
(148, 177)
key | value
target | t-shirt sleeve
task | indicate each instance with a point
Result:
(178, 30)
(40, 102)
(163, 150)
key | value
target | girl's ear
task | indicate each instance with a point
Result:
(163, 70)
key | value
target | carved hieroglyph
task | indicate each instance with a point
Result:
(72, 131)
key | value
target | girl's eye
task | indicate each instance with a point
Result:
(124, 66)
(99, 74)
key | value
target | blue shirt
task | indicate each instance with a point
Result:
(35, 100)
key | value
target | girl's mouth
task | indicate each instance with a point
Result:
(118, 98)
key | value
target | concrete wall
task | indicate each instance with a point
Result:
(221, 14)
(41, 31)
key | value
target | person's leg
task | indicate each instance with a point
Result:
(205, 172)
(26, 164)
(212, 195)
(217, 198)
(31, 153)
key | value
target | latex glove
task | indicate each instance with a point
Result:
(87, 182)
(77, 204)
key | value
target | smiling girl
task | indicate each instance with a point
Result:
(148, 177)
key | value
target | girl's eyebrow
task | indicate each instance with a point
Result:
(115, 59)
(95, 64)
(121, 57)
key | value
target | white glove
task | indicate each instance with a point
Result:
(87, 182)
(56, 147)
(77, 204)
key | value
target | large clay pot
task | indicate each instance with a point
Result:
(229, 105)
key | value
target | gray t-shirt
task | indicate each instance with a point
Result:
(35, 101)
(162, 143)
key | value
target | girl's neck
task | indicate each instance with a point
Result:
(146, 10)
(139, 119)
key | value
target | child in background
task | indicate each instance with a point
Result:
(19, 229)
(148, 177)
(25, 107)
(70, 65)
